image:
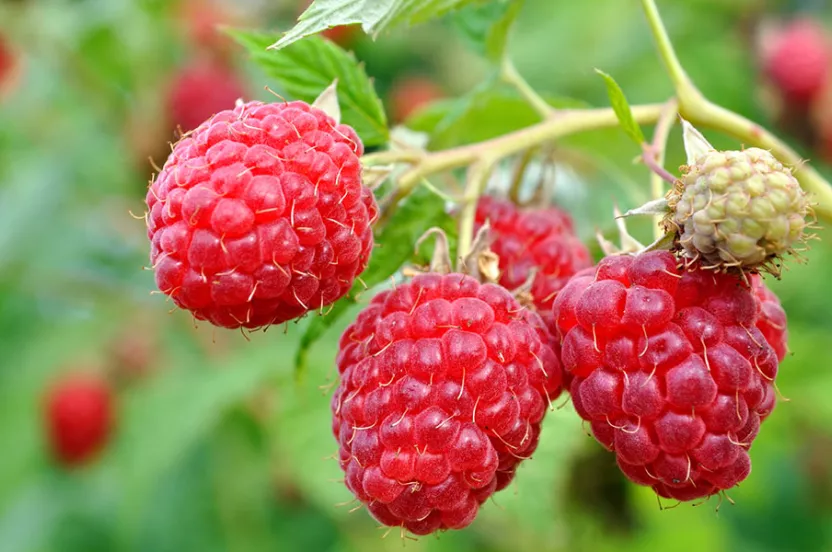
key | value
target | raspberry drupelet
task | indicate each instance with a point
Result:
(444, 383)
(539, 239)
(772, 320)
(260, 215)
(670, 370)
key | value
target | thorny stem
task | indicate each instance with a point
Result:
(700, 111)
(656, 154)
(510, 75)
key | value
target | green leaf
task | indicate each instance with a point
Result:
(488, 111)
(308, 67)
(622, 109)
(486, 27)
(164, 420)
(396, 241)
(374, 16)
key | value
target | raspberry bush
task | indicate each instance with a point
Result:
(478, 339)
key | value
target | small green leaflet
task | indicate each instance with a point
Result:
(307, 67)
(421, 210)
(486, 27)
(622, 109)
(374, 16)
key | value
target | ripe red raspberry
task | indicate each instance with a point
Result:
(798, 62)
(669, 369)
(529, 239)
(260, 215)
(444, 383)
(79, 417)
(772, 320)
(201, 90)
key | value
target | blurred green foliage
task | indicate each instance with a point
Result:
(218, 447)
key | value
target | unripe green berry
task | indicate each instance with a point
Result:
(738, 209)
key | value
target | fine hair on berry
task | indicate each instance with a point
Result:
(539, 241)
(444, 384)
(260, 215)
(670, 370)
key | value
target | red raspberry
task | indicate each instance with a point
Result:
(201, 21)
(410, 94)
(9, 68)
(79, 417)
(528, 239)
(260, 215)
(201, 90)
(772, 320)
(444, 383)
(669, 369)
(798, 62)
(6, 59)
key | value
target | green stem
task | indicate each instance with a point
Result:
(563, 123)
(709, 115)
(519, 174)
(697, 109)
(388, 157)
(681, 81)
(510, 75)
(478, 174)
(659, 149)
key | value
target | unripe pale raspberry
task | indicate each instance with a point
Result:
(738, 209)
(772, 321)
(199, 91)
(444, 383)
(260, 215)
(79, 418)
(669, 370)
(799, 61)
(542, 240)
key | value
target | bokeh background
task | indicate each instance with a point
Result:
(217, 446)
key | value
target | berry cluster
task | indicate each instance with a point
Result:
(260, 215)
(669, 369)
(444, 383)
